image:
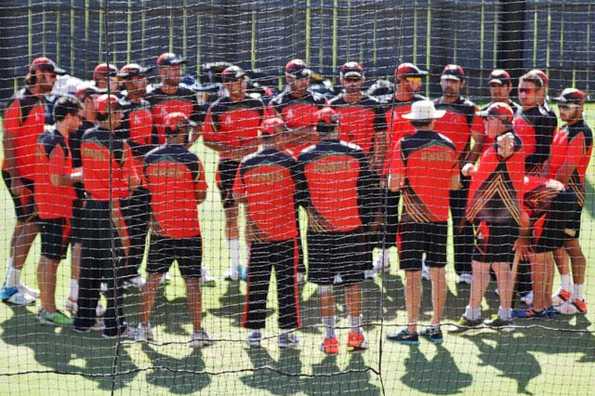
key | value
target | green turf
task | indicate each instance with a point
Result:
(551, 357)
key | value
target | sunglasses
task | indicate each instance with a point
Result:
(413, 79)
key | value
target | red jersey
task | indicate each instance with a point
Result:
(297, 113)
(24, 121)
(184, 100)
(497, 187)
(234, 124)
(173, 176)
(53, 157)
(536, 128)
(428, 167)
(572, 143)
(459, 123)
(338, 187)
(267, 181)
(360, 123)
(107, 165)
(137, 128)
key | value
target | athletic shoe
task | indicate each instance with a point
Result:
(206, 279)
(403, 336)
(71, 306)
(356, 341)
(98, 326)
(12, 295)
(527, 298)
(200, 339)
(143, 333)
(497, 322)
(464, 278)
(254, 338)
(330, 346)
(432, 334)
(580, 304)
(382, 262)
(464, 324)
(528, 313)
(566, 308)
(27, 290)
(126, 332)
(550, 312)
(137, 282)
(562, 295)
(289, 341)
(56, 318)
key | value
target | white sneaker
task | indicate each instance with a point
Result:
(20, 298)
(144, 333)
(465, 278)
(528, 298)
(206, 278)
(200, 339)
(233, 274)
(136, 282)
(27, 290)
(382, 262)
(71, 306)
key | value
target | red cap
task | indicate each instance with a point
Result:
(544, 77)
(105, 102)
(271, 125)
(169, 59)
(174, 120)
(500, 110)
(103, 70)
(571, 96)
(232, 73)
(46, 64)
(453, 72)
(297, 68)
(409, 70)
(500, 77)
(351, 70)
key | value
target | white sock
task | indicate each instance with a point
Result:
(329, 326)
(579, 291)
(13, 276)
(472, 313)
(505, 313)
(566, 282)
(356, 323)
(74, 290)
(234, 254)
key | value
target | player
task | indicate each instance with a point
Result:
(108, 177)
(104, 74)
(496, 210)
(571, 152)
(338, 185)
(55, 177)
(176, 182)
(500, 85)
(266, 183)
(24, 120)
(425, 172)
(137, 127)
(460, 124)
(408, 80)
(231, 128)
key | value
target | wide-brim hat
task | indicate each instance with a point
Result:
(424, 110)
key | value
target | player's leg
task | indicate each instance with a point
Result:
(579, 265)
(286, 258)
(137, 215)
(462, 233)
(75, 273)
(562, 263)
(226, 172)
(89, 285)
(435, 247)
(472, 315)
(388, 235)
(503, 273)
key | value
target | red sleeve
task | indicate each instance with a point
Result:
(576, 150)
(477, 125)
(12, 118)
(239, 189)
(516, 170)
(56, 163)
(200, 183)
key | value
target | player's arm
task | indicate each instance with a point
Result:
(478, 137)
(379, 141)
(56, 168)
(12, 126)
(396, 169)
(210, 133)
(576, 150)
(130, 170)
(239, 188)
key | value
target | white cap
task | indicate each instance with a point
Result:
(424, 110)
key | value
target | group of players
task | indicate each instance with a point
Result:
(106, 167)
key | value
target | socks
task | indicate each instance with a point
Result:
(234, 255)
(579, 291)
(505, 313)
(356, 323)
(13, 275)
(74, 290)
(566, 282)
(329, 326)
(472, 313)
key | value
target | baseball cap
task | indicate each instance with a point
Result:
(270, 126)
(131, 70)
(232, 73)
(43, 63)
(544, 77)
(87, 89)
(453, 72)
(498, 109)
(297, 68)
(351, 70)
(409, 70)
(500, 77)
(106, 102)
(424, 110)
(177, 119)
(104, 70)
(169, 59)
(571, 96)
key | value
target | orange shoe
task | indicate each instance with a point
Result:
(356, 342)
(330, 346)
(581, 305)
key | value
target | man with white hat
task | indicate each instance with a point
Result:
(425, 173)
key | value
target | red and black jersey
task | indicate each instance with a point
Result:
(496, 190)
(137, 128)
(397, 127)
(184, 101)
(428, 168)
(173, 176)
(107, 165)
(297, 112)
(234, 124)
(572, 143)
(536, 128)
(338, 186)
(74, 143)
(362, 123)
(53, 157)
(267, 180)
(24, 121)
(459, 123)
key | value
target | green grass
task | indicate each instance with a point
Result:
(550, 357)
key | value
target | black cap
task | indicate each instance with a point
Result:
(169, 59)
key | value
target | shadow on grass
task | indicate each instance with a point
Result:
(57, 348)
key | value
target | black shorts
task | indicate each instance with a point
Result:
(494, 242)
(187, 252)
(549, 230)
(77, 221)
(413, 239)
(572, 229)
(55, 235)
(338, 258)
(226, 173)
(24, 205)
